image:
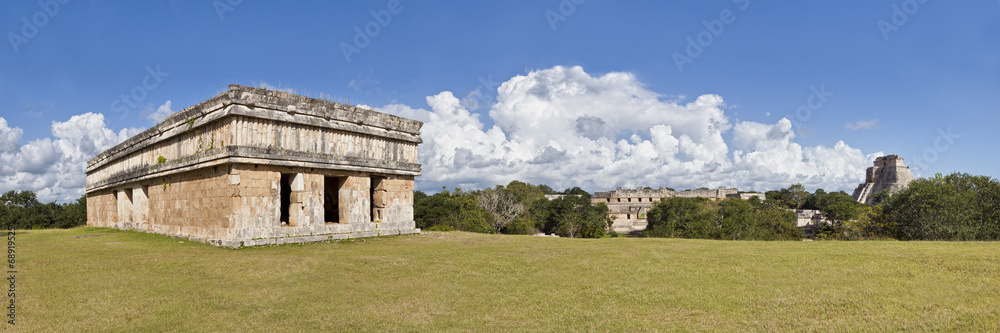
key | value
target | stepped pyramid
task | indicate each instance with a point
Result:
(888, 172)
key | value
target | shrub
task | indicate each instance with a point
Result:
(440, 227)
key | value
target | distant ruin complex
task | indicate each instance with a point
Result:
(888, 173)
(628, 208)
(256, 167)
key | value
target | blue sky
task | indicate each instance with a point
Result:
(937, 72)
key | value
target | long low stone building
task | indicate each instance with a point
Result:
(628, 207)
(254, 167)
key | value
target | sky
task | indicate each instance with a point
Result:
(751, 94)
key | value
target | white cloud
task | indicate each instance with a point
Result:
(9, 137)
(54, 168)
(564, 127)
(863, 125)
(162, 113)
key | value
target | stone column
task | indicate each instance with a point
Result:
(354, 200)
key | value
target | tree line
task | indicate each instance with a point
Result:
(731, 218)
(21, 210)
(517, 208)
(956, 207)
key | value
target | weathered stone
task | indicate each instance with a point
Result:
(257, 167)
(887, 173)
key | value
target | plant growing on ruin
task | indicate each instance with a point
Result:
(160, 159)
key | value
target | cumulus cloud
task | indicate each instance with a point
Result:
(9, 137)
(54, 168)
(564, 127)
(863, 125)
(162, 113)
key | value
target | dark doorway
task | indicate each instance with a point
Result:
(331, 198)
(377, 198)
(286, 197)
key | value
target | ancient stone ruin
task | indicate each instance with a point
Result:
(254, 167)
(628, 208)
(888, 173)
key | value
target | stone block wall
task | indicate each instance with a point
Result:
(193, 204)
(102, 208)
(398, 202)
(240, 204)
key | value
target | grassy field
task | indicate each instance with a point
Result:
(91, 279)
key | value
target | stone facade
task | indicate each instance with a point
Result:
(628, 208)
(255, 167)
(887, 173)
(810, 220)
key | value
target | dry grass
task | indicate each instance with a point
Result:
(129, 281)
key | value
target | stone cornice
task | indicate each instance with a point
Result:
(255, 155)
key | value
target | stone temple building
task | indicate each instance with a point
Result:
(628, 208)
(255, 167)
(887, 173)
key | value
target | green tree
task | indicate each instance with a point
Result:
(754, 220)
(816, 200)
(798, 195)
(526, 193)
(21, 210)
(73, 214)
(680, 217)
(732, 218)
(954, 207)
(571, 216)
(457, 209)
